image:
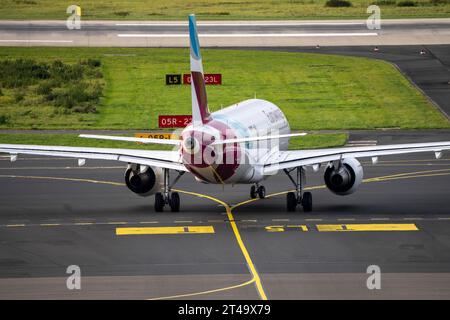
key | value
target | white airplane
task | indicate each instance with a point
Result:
(237, 133)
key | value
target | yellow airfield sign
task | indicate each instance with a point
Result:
(156, 135)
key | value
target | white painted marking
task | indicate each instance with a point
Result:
(280, 219)
(313, 219)
(413, 218)
(246, 35)
(444, 218)
(244, 24)
(346, 219)
(376, 219)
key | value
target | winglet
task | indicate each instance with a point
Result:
(200, 111)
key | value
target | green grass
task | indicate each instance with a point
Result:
(211, 9)
(314, 91)
(317, 141)
(307, 142)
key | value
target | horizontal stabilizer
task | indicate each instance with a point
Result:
(132, 139)
(271, 137)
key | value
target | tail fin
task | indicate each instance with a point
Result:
(200, 111)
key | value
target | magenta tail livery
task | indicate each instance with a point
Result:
(244, 143)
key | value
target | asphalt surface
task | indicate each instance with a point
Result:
(48, 223)
(225, 33)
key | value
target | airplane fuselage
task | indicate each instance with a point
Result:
(234, 162)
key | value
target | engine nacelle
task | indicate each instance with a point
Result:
(346, 179)
(144, 182)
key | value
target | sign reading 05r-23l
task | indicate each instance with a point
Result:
(174, 121)
(211, 79)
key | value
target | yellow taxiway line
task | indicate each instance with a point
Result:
(255, 275)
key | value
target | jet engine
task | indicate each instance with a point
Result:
(144, 180)
(343, 179)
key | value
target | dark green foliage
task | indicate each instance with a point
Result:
(74, 87)
(3, 119)
(385, 2)
(122, 13)
(21, 73)
(94, 63)
(19, 95)
(338, 3)
(439, 2)
(44, 88)
(406, 3)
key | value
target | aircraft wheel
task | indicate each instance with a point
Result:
(307, 202)
(159, 202)
(253, 193)
(291, 201)
(174, 202)
(262, 192)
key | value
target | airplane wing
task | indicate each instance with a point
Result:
(162, 159)
(174, 142)
(290, 159)
(259, 138)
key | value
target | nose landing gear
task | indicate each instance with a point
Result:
(257, 191)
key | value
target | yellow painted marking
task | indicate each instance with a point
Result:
(15, 225)
(301, 227)
(275, 228)
(201, 229)
(283, 228)
(256, 278)
(205, 292)
(164, 230)
(367, 227)
(157, 135)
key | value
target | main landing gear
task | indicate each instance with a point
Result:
(168, 197)
(298, 197)
(257, 191)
